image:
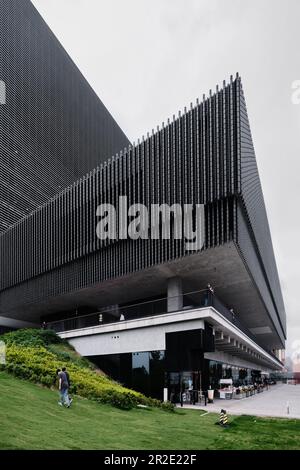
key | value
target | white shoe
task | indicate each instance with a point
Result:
(60, 403)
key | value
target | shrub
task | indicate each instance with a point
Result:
(167, 406)
(32, 337)
(65, 354)
(35, 355)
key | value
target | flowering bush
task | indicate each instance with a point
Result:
(34, 355)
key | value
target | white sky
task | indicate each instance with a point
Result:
(146, 59)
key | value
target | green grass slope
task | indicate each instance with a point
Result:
(35, 355)
(31, 419)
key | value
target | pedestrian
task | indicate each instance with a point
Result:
(210, 288)
(209, 295)
(63, 388)
(64, 369)
(69, 383)
(44, 325)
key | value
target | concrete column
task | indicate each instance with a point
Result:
(175, 299)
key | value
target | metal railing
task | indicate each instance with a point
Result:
(110, 315)
(235, 320)
(190, 300)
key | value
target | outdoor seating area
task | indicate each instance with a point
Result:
(243, 391)
(226, 391)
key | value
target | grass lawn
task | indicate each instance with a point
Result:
(31, 419)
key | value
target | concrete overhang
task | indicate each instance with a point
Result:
(222, 266)
(148, 334)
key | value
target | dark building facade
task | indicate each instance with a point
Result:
(53, 127)
(204, 156)
(139, 308)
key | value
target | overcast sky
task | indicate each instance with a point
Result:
(146, 59)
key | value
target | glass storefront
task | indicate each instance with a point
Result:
(187, 383)
(142, 371)
(148, 373)
(239, 375)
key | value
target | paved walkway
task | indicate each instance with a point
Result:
(272, 402)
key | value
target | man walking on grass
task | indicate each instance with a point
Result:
(63, 387)
(69, 383)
